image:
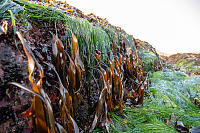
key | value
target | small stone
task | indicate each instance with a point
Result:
(12, 124)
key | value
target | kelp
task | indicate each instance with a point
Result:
(42, 115)
(41, 109)
(4, 27)
(114, 91)
(74, 73)
(105, 102)
(66, 107)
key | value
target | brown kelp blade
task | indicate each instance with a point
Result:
(71, 124)
(75, 50)
(54, 45)
(79, 70)
(60, 58)
(45, 100)
(99, 108)
(76, 129)
(4, 27)
(107, 119)
(31, 64)
(49, 112)
(25, 88)
(104, 78)
(75, 47)
(109, 84)
(67, 102)
(60, 128)
(63, 91)
(43, 115)
(71, 73)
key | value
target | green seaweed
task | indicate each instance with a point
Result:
(170, 93)
(89, 37)
(149, 59)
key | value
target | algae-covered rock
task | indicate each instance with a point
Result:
(149, 59)
(152, 60)
(186, 62)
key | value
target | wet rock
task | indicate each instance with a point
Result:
(10, 69)
(12, 65)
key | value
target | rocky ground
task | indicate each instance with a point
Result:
(187, 62)
(189, 57)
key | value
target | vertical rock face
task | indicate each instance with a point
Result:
(12, 66)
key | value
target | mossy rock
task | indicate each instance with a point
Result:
(149, 58)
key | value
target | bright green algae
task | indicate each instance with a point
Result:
(170, 95)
